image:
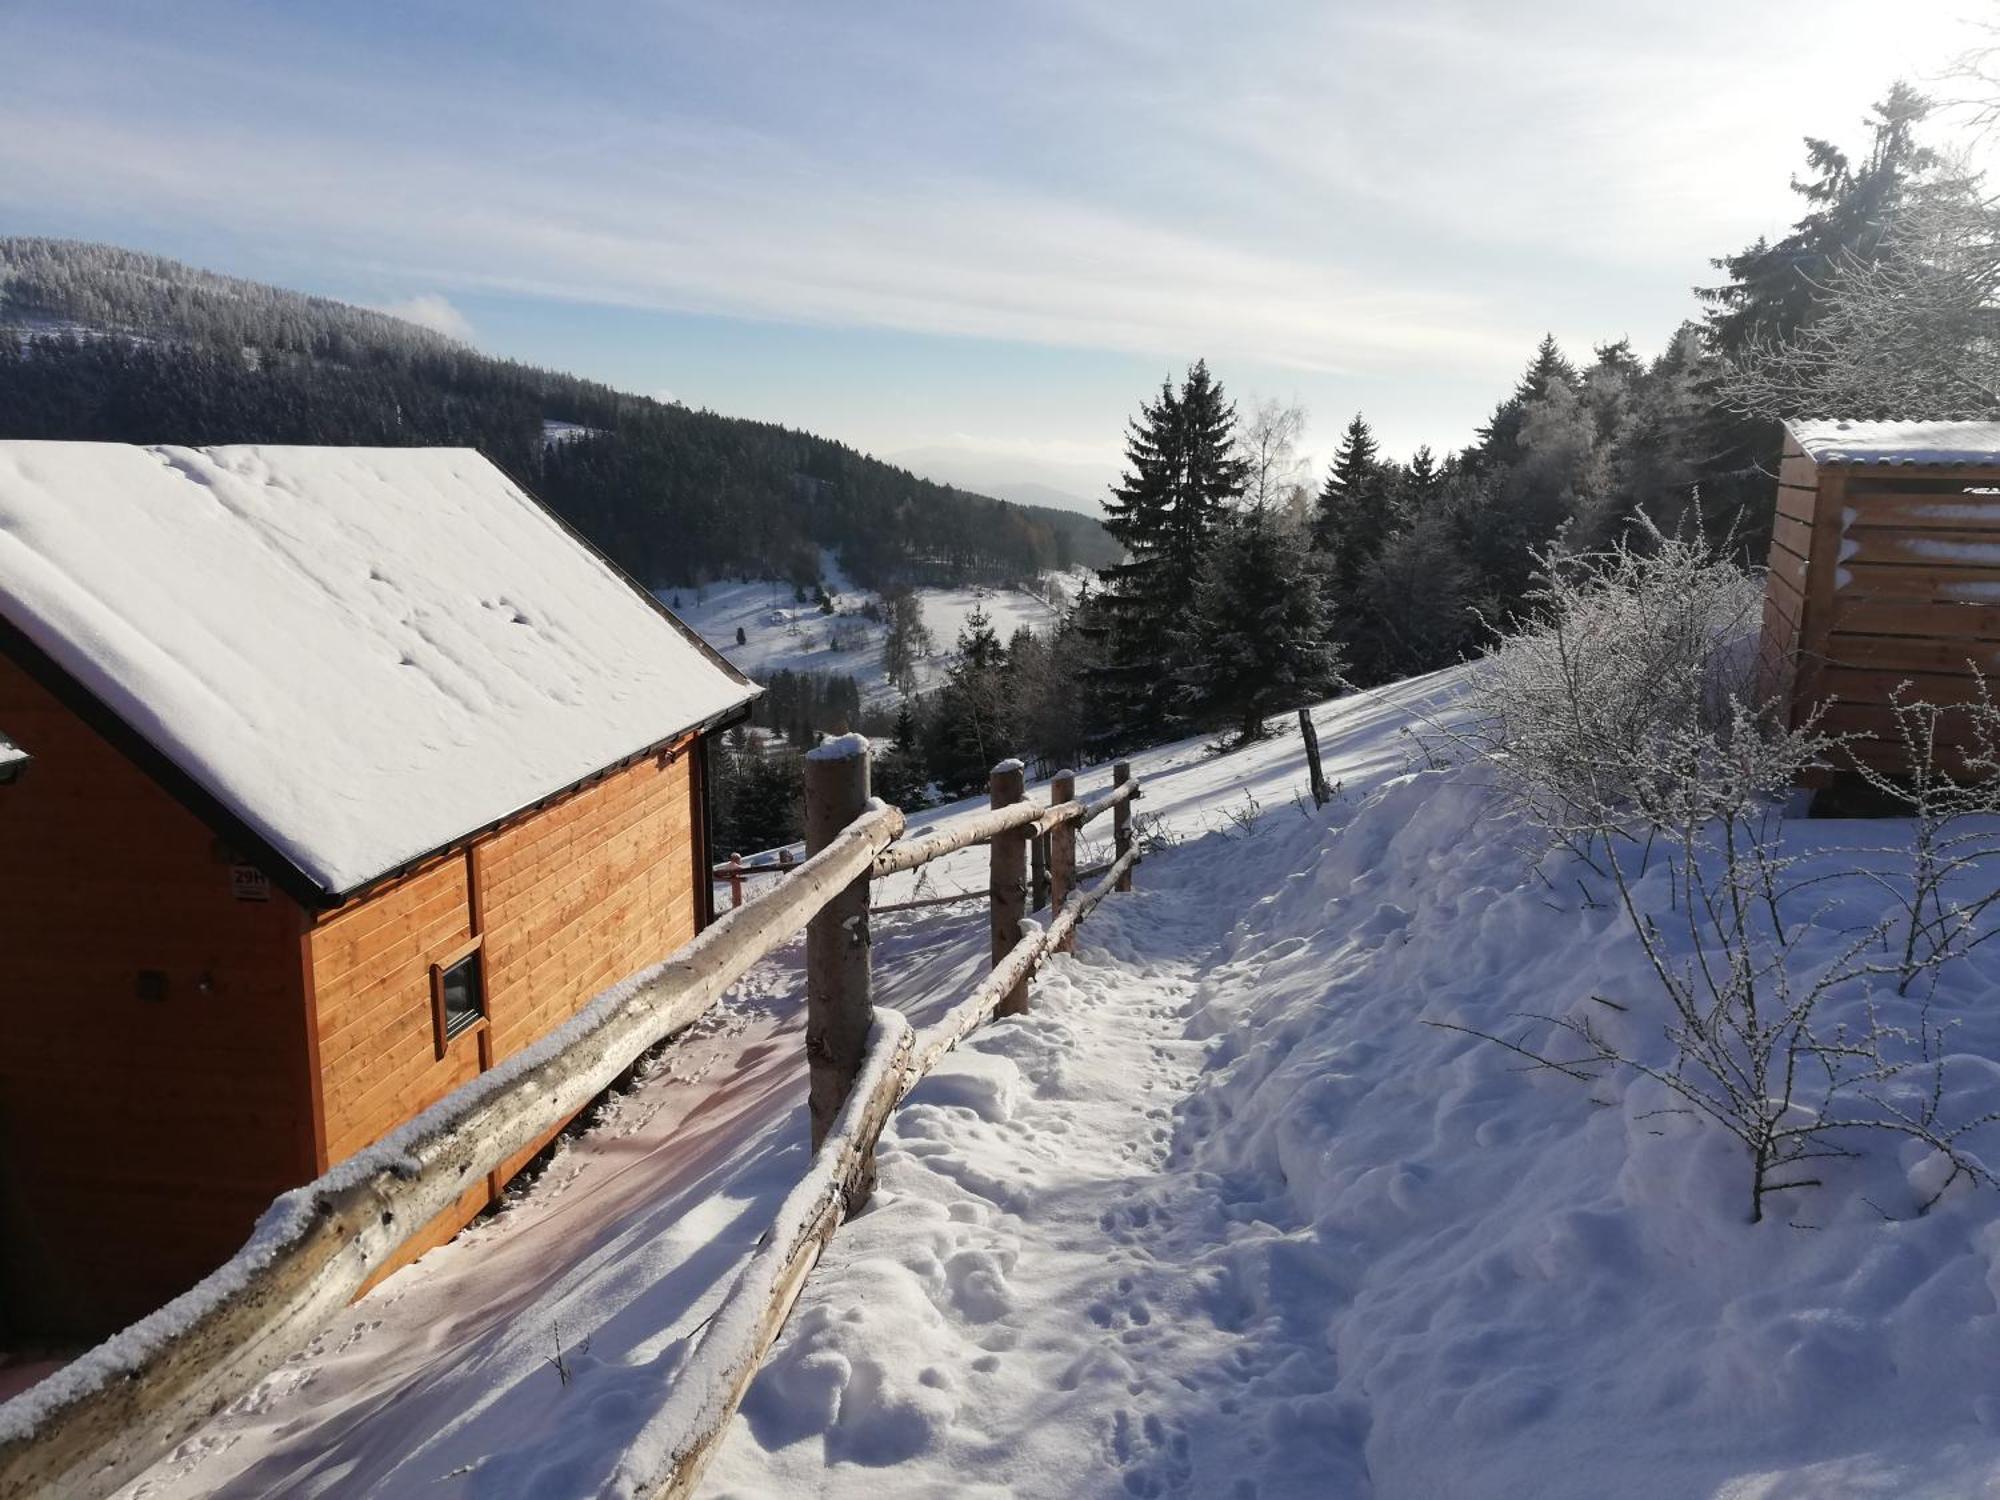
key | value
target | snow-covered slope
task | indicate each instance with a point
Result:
(783, 634)
(1221, 1216)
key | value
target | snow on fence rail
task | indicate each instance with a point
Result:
(103, 1419)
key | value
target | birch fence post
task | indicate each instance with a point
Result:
(1062, 852)
(1121, 822)
(839, 1006)
(1008, 882)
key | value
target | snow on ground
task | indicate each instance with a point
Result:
(783, 634)
(1220, 1217)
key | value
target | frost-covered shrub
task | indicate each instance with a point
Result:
(1631, 690)
(1949, 780)
(1625, 723)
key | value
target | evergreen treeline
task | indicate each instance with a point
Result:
(1234, 601)
(756, 795)
(801, 706)
(111, 345)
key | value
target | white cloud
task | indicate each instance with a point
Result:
(433, 311)
(937, 254)
(1412, 193)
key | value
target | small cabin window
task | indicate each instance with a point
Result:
(458, 996)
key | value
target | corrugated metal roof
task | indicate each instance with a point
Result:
(1834, 441)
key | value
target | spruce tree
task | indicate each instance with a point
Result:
(1356, 511)
(1500, 439)
(1182, 473)
(971, 723)
(1256, 638)
(901, 776)
(1423, 483)
(1773, 289)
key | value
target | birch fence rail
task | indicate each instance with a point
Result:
(109, 1415)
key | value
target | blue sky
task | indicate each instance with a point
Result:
(974, 234)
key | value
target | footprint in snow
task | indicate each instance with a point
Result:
(1154, 1452)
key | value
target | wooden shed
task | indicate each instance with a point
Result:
(1884, 569)
(333, 777)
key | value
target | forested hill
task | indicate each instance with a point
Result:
(107, 344)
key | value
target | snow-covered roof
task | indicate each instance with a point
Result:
(363, 654)
(1827, 441)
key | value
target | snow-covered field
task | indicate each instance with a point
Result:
(1220, 1217)
(782, 634)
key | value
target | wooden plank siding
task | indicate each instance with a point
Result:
(139, 1137)
(1785, 576)
(565, 901)
(1880, 577)
(174, 1054)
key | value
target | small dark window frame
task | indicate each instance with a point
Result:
(443, 1033)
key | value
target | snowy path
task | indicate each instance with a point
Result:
(1050, 1296)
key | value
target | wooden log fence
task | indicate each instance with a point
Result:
(1062, 844)
(735, 871)
(102, 1420)
(1007, 889)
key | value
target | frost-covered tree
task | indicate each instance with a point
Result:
(1417, 599)
(1268, 443)
(1499, 439)
(1653, 455)
(1534, 470)
(1910, 329)
(1775, 289)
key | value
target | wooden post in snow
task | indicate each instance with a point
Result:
(1062, 851)
(1008, 885)
(1322, 794)
(1121, 821)
(1038, 870)
(735, 881)
(839, 1007)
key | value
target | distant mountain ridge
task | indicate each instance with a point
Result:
(1024, 478)
(106, 344)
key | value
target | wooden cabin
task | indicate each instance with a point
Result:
(333, 778)
(1884, 570)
